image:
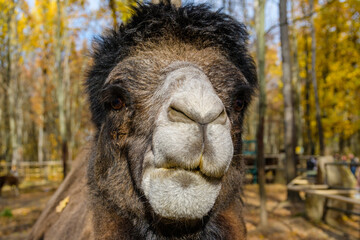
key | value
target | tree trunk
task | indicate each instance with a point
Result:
(244, 9)
(296, 85)
(12, 122)
(66, 89)
(11, 88)
(357, 148)
(20, 95)
(288, 101)
(313, 77)
(270, 135)
(61, 85)
(42, 118)
(40, 148)
(260, 50)
(19, 115)
(112, 6)
(43, 86)
(341, 143)
(307, 100)
(7, 90)
(310, 148)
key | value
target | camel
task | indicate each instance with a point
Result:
(168, 92)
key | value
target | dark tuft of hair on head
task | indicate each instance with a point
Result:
(189, 23)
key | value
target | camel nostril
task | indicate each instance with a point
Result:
(221, 118)
(183, 110)
(176, 115)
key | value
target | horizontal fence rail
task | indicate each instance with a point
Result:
(35, 171)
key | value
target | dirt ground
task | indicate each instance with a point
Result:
(285, 221)
(25, 209)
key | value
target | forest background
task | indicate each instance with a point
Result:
(44, 54)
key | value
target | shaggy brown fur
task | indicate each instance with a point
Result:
(130, 64)
(75, 220)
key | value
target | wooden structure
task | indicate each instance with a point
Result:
(35, 171)
(274, 163)
(333, 194)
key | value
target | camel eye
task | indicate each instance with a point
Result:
(117, 104)
(239, 105)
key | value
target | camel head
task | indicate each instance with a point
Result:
(168, 93)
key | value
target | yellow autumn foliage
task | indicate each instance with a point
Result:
(337, 28)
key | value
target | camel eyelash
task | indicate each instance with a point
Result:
(243, 96)
(115, 93)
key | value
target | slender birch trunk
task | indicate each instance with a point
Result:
(11, 88)
(66, 89)
(7, 88)
(61, 15)
(314, 81)
(288, 101)
(311, 147)
(296, 85)
(260, 50)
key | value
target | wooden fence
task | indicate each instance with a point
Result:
(52, 170)
(35, 171)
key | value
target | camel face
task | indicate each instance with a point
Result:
(168, 94)
(180, 102)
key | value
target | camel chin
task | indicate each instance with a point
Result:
(180, 194)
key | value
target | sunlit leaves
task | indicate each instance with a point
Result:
(337, 68)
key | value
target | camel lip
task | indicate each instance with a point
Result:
(196, 171)
(149, 165)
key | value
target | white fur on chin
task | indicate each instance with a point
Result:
(170, 199)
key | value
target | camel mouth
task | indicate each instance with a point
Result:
(185, 183)
(198, 169)
(167, 172)
(194, 170)
(200, 165)
(179, 194)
